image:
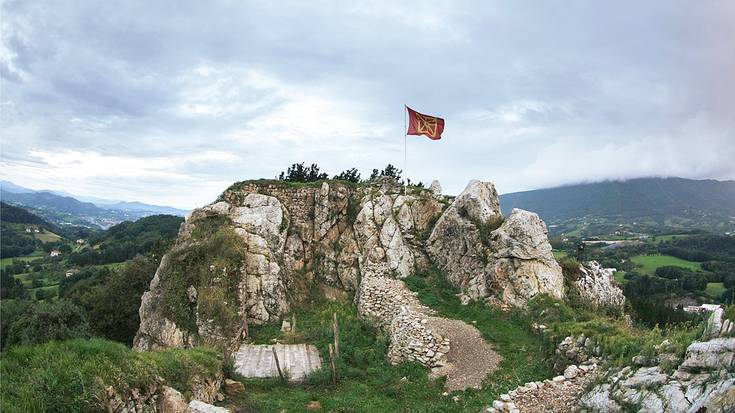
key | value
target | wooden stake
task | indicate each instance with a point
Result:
(245, 333)
(331, 361)
(335, 329)
(293, 323)
(278, 365)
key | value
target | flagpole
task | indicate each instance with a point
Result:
(405, 146)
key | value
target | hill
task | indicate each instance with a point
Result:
(65, 209)
(23, 232)
(677, 202)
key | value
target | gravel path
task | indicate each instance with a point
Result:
(470, 358)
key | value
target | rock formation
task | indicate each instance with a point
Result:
(507, 261)
(704, 381)
(257, 251)
(596, 288)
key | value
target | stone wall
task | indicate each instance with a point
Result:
(391, 306)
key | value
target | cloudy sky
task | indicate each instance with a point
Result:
(170, 102)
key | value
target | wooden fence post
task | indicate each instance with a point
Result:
(293, 323)
(335, 329)
(331, 361)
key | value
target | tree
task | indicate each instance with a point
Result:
(389, 170)
(350, 175)
(11, 287)
(112, 299)
(300, 173)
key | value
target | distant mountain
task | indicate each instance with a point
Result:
(65, 209)
(139, 206)
(687, 203)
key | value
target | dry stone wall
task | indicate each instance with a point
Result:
(394, 308)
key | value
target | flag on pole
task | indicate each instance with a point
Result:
(420, 124)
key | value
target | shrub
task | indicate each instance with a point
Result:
(47, 321)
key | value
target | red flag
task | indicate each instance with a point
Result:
(420, 124)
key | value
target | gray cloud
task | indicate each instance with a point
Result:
(169, 101)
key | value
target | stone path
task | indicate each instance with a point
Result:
(451, 348)
(256, 361)
(470, 358)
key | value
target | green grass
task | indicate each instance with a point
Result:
(620, 277)
(649, 263)
(68, 376)
(559, 254)
(715, 290)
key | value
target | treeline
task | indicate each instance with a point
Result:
(94, 302)
(703, 248)
(300, 172)
(128, 239)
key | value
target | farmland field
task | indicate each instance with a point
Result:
(649, 263)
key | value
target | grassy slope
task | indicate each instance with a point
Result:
(64, 376)
(649, 263)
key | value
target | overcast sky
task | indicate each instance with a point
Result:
(170, 102)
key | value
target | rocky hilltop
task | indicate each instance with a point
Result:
(265, 246)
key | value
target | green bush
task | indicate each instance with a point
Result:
(47, 321)
(69, 376)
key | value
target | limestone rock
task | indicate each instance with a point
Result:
(703, 382)
(436, 188)
(595, 287)
(512, 264)
(233, 387)
(198, 406)
(172, 401)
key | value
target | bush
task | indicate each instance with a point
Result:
(111, 299)
(47, 321)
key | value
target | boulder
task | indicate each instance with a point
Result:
(596, 288)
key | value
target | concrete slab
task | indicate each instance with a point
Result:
(297, 360)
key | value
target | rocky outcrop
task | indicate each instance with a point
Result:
(595, 287)
(257, 251)
(704, 381)
(157, 396)
(253, 254)
(507, 261)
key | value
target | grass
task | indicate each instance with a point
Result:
(69, 376)
(649, 263)
(560, 254)
(715, 290)
(620, 277)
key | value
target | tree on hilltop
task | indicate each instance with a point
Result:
(350, 175)
(298, 172)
